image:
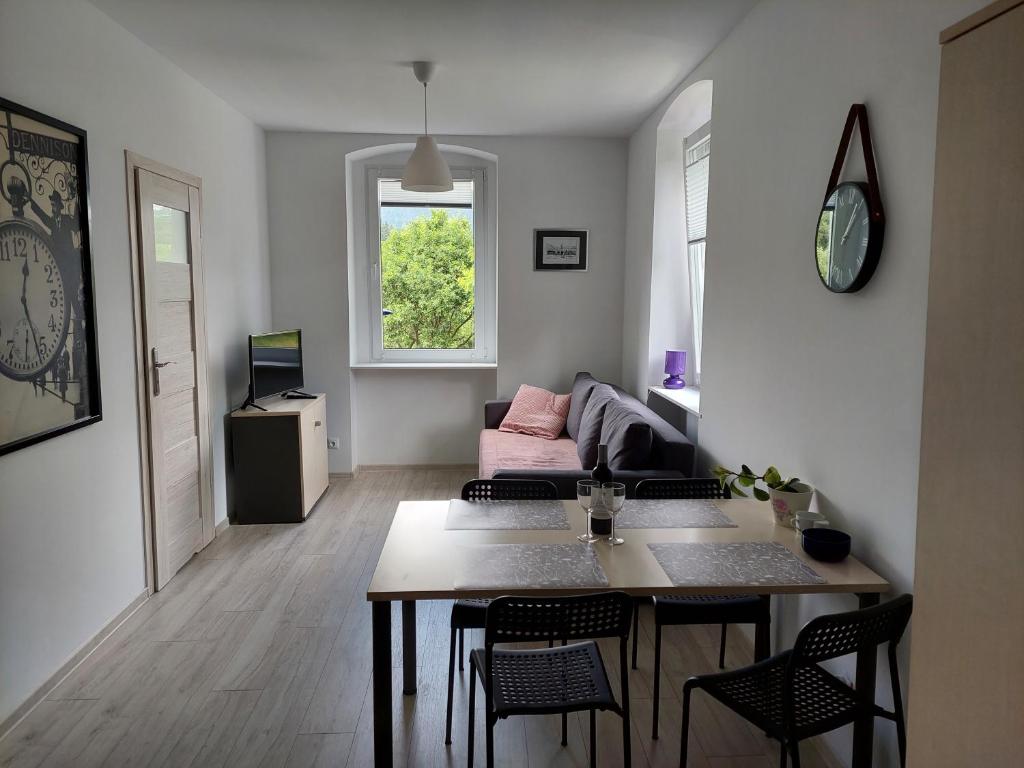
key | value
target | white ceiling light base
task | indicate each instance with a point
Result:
(426, 170)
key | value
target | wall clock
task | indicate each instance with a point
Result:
(851, 224)
(34, 310)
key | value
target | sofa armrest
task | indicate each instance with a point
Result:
(565, 479)
(495, 412)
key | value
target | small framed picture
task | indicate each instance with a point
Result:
(560, 249)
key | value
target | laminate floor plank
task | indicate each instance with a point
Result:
(258, 653)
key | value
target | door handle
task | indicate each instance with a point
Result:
(157, 365)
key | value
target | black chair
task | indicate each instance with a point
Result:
(678, 610)
(509, 490)
(569, 678)
(469, 613)
(791, 698)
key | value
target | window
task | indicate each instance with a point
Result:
(431, 271)
(697, 163)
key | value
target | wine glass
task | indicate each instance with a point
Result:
(614, 496)
(587, 492)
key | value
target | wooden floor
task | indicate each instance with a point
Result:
(258, 654)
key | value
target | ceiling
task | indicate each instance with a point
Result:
(571, 67)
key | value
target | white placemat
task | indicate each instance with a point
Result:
(728, 564)
(518, 566)
(506, 515)
(672, 513)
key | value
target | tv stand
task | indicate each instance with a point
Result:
(295, 394)
(249, 401)
(280, 460)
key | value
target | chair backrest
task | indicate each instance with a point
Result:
(682, 488)
(509, 490)
(581, 617)
(840, 634)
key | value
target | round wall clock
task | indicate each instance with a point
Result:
(851, 224)
(33, 306)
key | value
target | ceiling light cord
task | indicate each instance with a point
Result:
(425, 110)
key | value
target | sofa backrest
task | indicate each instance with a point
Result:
(670, 448)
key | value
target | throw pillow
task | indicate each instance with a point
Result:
(627, 436)
(589, 434)
(581, 389)
(535, 411)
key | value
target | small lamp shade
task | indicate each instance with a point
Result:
(675, 367)
(426, 170)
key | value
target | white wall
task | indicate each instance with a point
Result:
(827, 387)
(71, 550)
(549, 325)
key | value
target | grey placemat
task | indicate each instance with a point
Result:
(516, 566)
(728, 564)
(671, 513)
(506, 515)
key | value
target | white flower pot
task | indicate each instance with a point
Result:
(785, 504)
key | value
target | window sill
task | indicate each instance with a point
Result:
(687, 398)
(424, 366)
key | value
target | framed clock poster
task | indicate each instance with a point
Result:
(49, 372)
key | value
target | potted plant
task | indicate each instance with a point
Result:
(787, 496)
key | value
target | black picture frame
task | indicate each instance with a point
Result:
(55, 209)
(574, 259)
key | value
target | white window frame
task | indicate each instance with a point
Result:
(484, 308)
(696, 271)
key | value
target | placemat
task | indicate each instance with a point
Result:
(671, 513)
(726, 564)
(506, 515)
(517, 566)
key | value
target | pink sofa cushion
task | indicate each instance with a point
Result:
(535, 411)
(511, 450)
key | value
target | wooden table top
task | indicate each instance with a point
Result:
(421, 560)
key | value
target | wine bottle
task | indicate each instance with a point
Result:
(601, 517)
(601, 472)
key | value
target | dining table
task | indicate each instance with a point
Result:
(439, 550)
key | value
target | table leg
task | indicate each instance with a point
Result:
(867, 662)
(763, 636)
(382, 749)
(408, 647)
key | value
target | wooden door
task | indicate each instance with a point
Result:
(174, 353)
(967, 650)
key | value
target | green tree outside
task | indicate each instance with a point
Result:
(427, 282)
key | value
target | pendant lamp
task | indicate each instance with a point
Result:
(426, 170)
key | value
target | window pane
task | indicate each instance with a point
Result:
(170, 230)
(427, 263)
(696, 176)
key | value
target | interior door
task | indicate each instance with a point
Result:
(170, 252)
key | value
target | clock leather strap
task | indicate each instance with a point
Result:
(858, 114)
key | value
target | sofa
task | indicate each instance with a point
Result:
(644, 445)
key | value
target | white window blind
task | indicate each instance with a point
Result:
(696, 173)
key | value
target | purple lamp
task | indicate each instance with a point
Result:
(675, 367)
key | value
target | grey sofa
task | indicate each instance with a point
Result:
(512, 455)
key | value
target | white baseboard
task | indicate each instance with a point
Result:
(58, 677)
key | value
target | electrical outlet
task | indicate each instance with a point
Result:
(332, 442)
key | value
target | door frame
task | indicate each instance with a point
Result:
(134, 162)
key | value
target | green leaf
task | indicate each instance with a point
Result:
(737, 492)
(746, 470)
(747, 480)
(772, 478)
(760, 495)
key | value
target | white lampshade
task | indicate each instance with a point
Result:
(426, 170)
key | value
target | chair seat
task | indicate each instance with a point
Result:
(469, 613)
(710, 609)
(566, 678)
(821, 701)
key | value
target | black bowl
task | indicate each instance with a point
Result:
(826, 544)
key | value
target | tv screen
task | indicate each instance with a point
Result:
(275, 363)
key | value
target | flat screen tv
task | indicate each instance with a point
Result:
(275, 363)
